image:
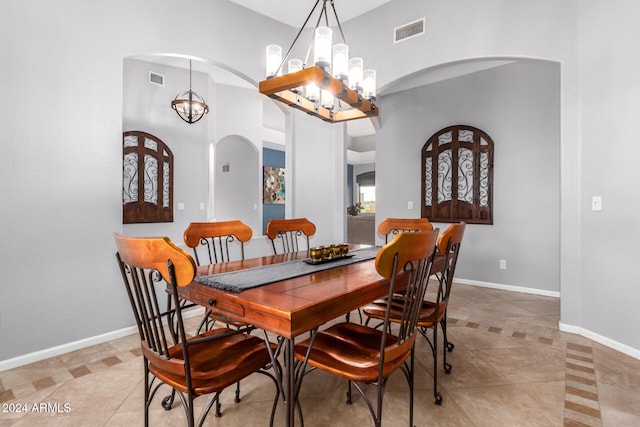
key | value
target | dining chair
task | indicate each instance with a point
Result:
(392, 226)
(432, 312)
(214, 239)
(286, 234)
(389, 227)
(365, 355)
(204, 364)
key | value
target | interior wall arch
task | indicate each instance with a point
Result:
(236, 181)
(519, 103)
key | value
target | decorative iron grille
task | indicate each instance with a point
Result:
(457, 176)
(147, 179)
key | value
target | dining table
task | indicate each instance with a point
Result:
(291, 306)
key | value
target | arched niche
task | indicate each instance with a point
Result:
(236, 177)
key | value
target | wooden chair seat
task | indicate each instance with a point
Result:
(352, 351)
(215, 363)
(427, 318)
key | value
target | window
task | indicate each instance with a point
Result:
(367, 192)
(457, 176)
(147, 179)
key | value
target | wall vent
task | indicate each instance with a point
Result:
(409, 30)
(155, 78)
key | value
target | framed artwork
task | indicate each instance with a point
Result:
(273, 186)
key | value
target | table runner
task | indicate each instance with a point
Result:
(237, 281)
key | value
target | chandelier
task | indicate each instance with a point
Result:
(190, 106)
(335, 88)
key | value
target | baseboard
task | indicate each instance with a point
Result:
(510, 288)
(37, 356)
(622, 348)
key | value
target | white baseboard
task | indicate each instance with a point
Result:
(36, 356)
(622, 348)
(629, 351)
(511, 288)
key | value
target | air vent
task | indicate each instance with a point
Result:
(155, 78)
(407, 31)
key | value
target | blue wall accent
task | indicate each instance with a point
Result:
(273, 158)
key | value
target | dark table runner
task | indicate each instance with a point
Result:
(240, 280)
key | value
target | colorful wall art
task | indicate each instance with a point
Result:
(273, 186)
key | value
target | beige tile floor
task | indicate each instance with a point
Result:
(511, 367)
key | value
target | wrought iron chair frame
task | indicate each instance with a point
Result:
(433, 312)
(410, 255)
(148, 267)
(215, 237)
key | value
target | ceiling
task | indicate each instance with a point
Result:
(294, 12)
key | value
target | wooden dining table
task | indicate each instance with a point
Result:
(290, 307)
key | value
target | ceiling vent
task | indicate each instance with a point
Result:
(409, 30)
(156, 79)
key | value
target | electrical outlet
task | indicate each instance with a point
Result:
(503, 264)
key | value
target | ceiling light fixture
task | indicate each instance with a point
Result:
(190, 106)
(334, 88)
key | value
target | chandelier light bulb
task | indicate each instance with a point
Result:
(369, 84)
(356, 74)
(341, 62)
(313, 93)
(274, 59)
(322, 48)
(327, 100)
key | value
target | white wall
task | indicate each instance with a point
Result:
(318, 176)
(237, 190)
(60, 162)
(609, 150)
(518, 105)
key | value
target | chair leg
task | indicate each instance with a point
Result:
(411, 384)
(167, 402)
(237, 399)
(146, 394)
(215, 399)
(434, 351)
(448, 346)
(436, 394)
(218, 413)
(348, 316)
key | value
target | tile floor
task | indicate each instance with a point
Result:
(511, 367)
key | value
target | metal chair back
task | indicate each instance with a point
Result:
(286, 234)
(214, 238)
